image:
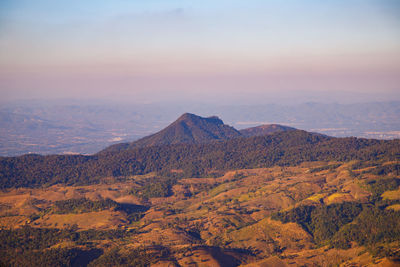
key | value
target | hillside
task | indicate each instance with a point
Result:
(264, 130)
(188, 128)
(314, 214)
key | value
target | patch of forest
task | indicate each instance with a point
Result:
(339, 225)
(156, 187)
(28, 246)
(31, 238)
(84, 205)
(136, 257)
(50, 257)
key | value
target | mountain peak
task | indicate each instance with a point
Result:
(189, 117)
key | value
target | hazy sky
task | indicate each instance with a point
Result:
(221, 51)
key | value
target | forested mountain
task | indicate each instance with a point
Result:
(193, 129)
(188, 128)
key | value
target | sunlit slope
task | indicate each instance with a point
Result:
(300, 215)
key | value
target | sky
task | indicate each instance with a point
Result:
(217, 51)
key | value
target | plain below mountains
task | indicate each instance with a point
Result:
(192, 129)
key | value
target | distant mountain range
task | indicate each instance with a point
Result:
(192, 129)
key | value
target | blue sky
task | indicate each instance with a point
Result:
(161, 50)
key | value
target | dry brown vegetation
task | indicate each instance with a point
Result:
(223, 221)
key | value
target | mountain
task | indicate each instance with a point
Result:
(192, 129)
(187, 129)
(264, 130)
